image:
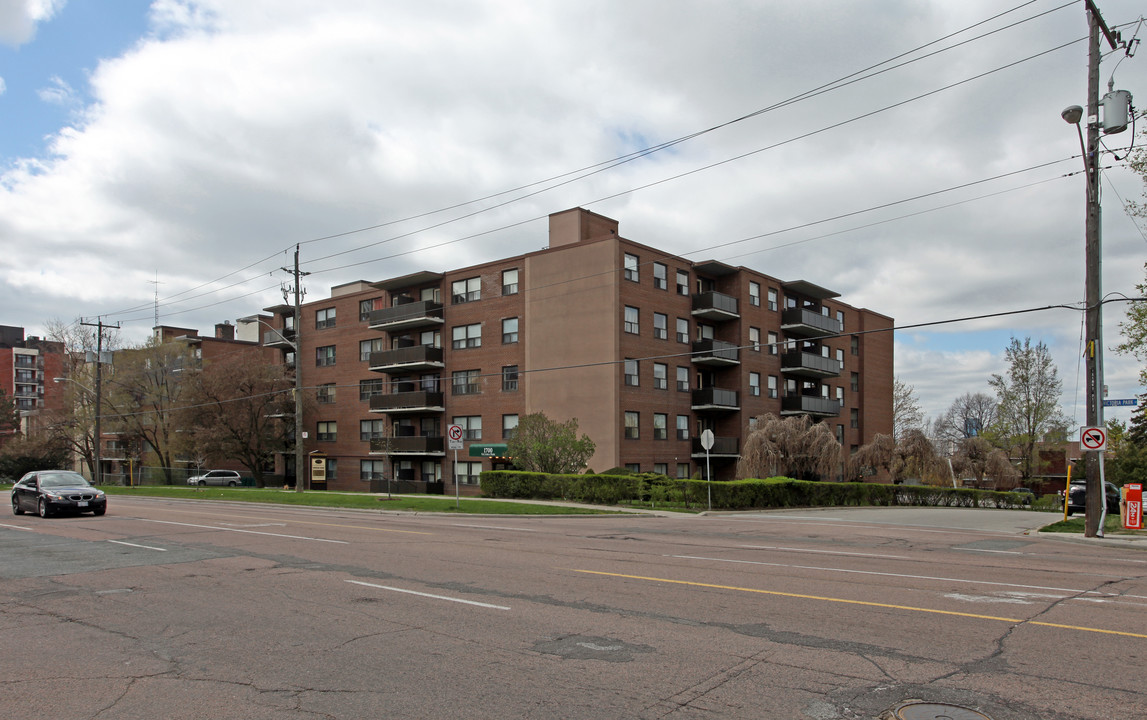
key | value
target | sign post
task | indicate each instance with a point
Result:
(454, 436)
(707, 443)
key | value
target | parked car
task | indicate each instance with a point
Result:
(46, 492)
(1077, 497)
(216, 477)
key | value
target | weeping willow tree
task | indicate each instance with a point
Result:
(912, 456)
(793, 446)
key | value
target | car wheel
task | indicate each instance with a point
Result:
(42, 507)
(99, 511)
(232, 483)
(16, 509)
(202, 483)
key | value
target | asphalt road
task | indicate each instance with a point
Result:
(169, 609)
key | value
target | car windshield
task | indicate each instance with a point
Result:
(62, 480)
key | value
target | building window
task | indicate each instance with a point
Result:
(682, 282)
(660, 326)
(840, 356)
(509, 427)
(325, 356)
(754, 383)
(466, 382)
(660, 376)
(324, 318)
(840, 319)
(369, 388)
(755, 338)
(855, 383)
(755, 294)
(631, 373)
(510, 282)
(366, 347)
(365, 307)
(682, 427)
(631, 323)
(468, 473)
(633, 467)
(660, 276)
(371, 469)
(840, 434)
(854, 418)
(840, 396)
(772, 299)
(327, 431)
(464, 291)
(682, 330)
(471, 426)
(509, 330)
(682, 471)
(773, 390)
(854, 343)
(682, 379)
(325, 394)
(509, 378)
(660, 426)
(631, 423)
(467, 336)
(774, 347)
(661, 468)
(371, 430)
(631, 264)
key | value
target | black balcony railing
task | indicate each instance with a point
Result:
(804, 322)
(407, 402)
(802, 363)
(419, 357)
(810, 405)
(712, 398)
(715, 306)
(407, 315)
(721, 446)
(416, 445)
(715, 352)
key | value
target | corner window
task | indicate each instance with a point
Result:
(660, 276)
(510, 282)
(509, 378)
(464, 291)
(631, 425)
(324, 318)
(772, 299)
(754, 293)
(509, 427)
(682, 379)
(682, 330)
(365, 307)
(631, 373)
(682, 282)
(754, 383)
(631, 323)
(631, 264)
(854, 344)
(466, 382)
(509, 331)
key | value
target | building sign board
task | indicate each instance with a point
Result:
(1133, 501)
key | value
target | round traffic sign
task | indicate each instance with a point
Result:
(1093, 438)
(455, 432)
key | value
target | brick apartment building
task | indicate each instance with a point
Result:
(644, 348)
(27, 367)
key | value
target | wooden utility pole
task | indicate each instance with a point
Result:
(97, 471)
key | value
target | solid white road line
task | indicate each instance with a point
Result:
(249, 532)
(145, 547)
(428, 595)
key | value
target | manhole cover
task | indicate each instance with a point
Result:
(936, 711)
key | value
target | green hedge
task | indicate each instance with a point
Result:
(734, 495)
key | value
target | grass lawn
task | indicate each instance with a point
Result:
(361, 501)
(1113, 527)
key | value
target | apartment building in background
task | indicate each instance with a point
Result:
(27, 367)
(645, 349)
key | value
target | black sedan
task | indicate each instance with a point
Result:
(1077, 497)
(49, 491)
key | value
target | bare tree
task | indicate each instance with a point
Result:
(913, 456)
(1028, 400)
(906, 413)
(794, 446)
(968, 416)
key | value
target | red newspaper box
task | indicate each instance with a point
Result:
(1133, 501)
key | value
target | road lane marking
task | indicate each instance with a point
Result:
(826, 552)
(945, 530)
(997, 552)
(865, 603)
(249, 532)
(292, 520)
(897, 575)
(145, 547)
(17, 527)
(428, 595)
(494, 527)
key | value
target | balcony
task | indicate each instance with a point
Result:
(715, 399)
(806, 364)
(715, 353)
(810, 405)
(411, 445)
(722, 447)
(407, 402)
(805, 323)
(417, 357)
(715, 306)
(406, 316)
(283, 338)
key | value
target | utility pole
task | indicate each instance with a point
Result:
(97, 471)
(300, 467)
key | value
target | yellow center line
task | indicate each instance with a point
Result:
(859, 602)
(301, 522)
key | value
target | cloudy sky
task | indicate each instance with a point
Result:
(908, 154)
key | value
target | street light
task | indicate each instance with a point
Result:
(299, 466)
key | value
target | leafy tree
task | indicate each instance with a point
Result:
(1137, 428)
(234, 408)
(25, 454)
(1028, 397)
(792, 446)
(544, 445)
(9, 416)
(968, 416)
(906, 412)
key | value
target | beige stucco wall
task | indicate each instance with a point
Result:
(573, 319)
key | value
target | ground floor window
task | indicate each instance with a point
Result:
(468, 472)
(371, 469)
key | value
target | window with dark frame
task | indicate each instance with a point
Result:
(509, 378)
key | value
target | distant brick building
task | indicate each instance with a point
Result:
(27, 367)
(646, 349)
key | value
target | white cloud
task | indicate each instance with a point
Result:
(59, 93)
(19, 18)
